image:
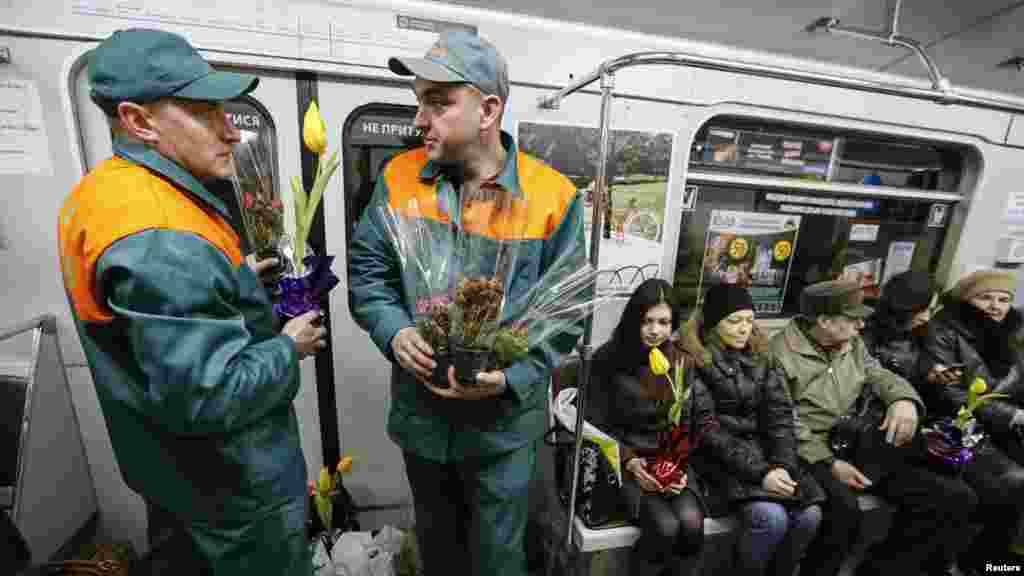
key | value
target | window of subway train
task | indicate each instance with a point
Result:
(258, 148)
(777, 207)
(372, 135)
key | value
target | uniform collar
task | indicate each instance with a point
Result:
(508, 178)
(143, 155)
(799, 341)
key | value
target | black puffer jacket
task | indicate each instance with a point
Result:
(742, 407)
(899, 350)
(961, 333)
(638, 403)
(896, 348)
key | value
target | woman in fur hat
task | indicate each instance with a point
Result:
(748, 456)
(650, 418)
(973, 336)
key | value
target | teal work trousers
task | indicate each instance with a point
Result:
(471, 514)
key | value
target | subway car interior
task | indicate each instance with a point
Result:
(791, 169)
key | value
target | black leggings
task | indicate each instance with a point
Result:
(669, 525)
(999, 482)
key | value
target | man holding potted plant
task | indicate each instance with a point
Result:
(195, 381)
(469, 448)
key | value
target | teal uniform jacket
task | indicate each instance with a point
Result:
(545, 221)
(195, 382)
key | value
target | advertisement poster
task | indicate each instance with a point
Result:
(753, 250)
(864, 232)
(868, 272)
(634, 216)
(901, 254)
(788, 154)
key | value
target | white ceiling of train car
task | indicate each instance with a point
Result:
(967, 38)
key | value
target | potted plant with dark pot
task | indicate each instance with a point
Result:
(468, 294)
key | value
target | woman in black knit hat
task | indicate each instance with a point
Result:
(747, 459)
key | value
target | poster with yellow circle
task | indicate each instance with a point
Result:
(782, 250)
(738, 248)
(754, 250)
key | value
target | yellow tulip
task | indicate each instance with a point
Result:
(325, 480)
(659, 364)
(314, 130)
(345, 465)
(973, 391)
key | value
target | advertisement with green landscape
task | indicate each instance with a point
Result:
(638, 166)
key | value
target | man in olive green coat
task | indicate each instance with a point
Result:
(827, 370)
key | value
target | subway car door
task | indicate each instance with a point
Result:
(372, 122)
(269, 115)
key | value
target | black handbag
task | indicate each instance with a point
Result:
(853, 431)
(598, 501)
(855, 438)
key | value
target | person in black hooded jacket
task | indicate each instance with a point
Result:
(895, 333)
(974, 336)
(748, 455)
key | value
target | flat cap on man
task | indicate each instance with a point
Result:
(834, 298)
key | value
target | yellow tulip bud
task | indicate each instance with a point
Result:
(324, 485)
(978, 386)
(345, 465)
(314, 130)
(659, 364)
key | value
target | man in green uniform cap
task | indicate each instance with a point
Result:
(469, 450)
(195, 381)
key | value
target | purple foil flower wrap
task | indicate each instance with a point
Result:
(946, 446)
(303, 293)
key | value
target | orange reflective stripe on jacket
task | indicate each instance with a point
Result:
(546, 196)
(117, 199)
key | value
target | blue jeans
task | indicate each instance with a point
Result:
(773, 539)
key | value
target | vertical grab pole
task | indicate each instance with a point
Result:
(586, 350)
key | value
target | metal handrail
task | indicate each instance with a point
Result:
(47, 322)
(943, 96)
(585, 348)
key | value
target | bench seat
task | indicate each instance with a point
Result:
(595, 539)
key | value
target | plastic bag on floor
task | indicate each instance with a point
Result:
(322, 565)
(366, 553)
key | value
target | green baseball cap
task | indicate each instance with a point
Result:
(462, 57)
(142, 65)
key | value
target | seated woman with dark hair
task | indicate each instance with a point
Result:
(649, 417)
(747, 459)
